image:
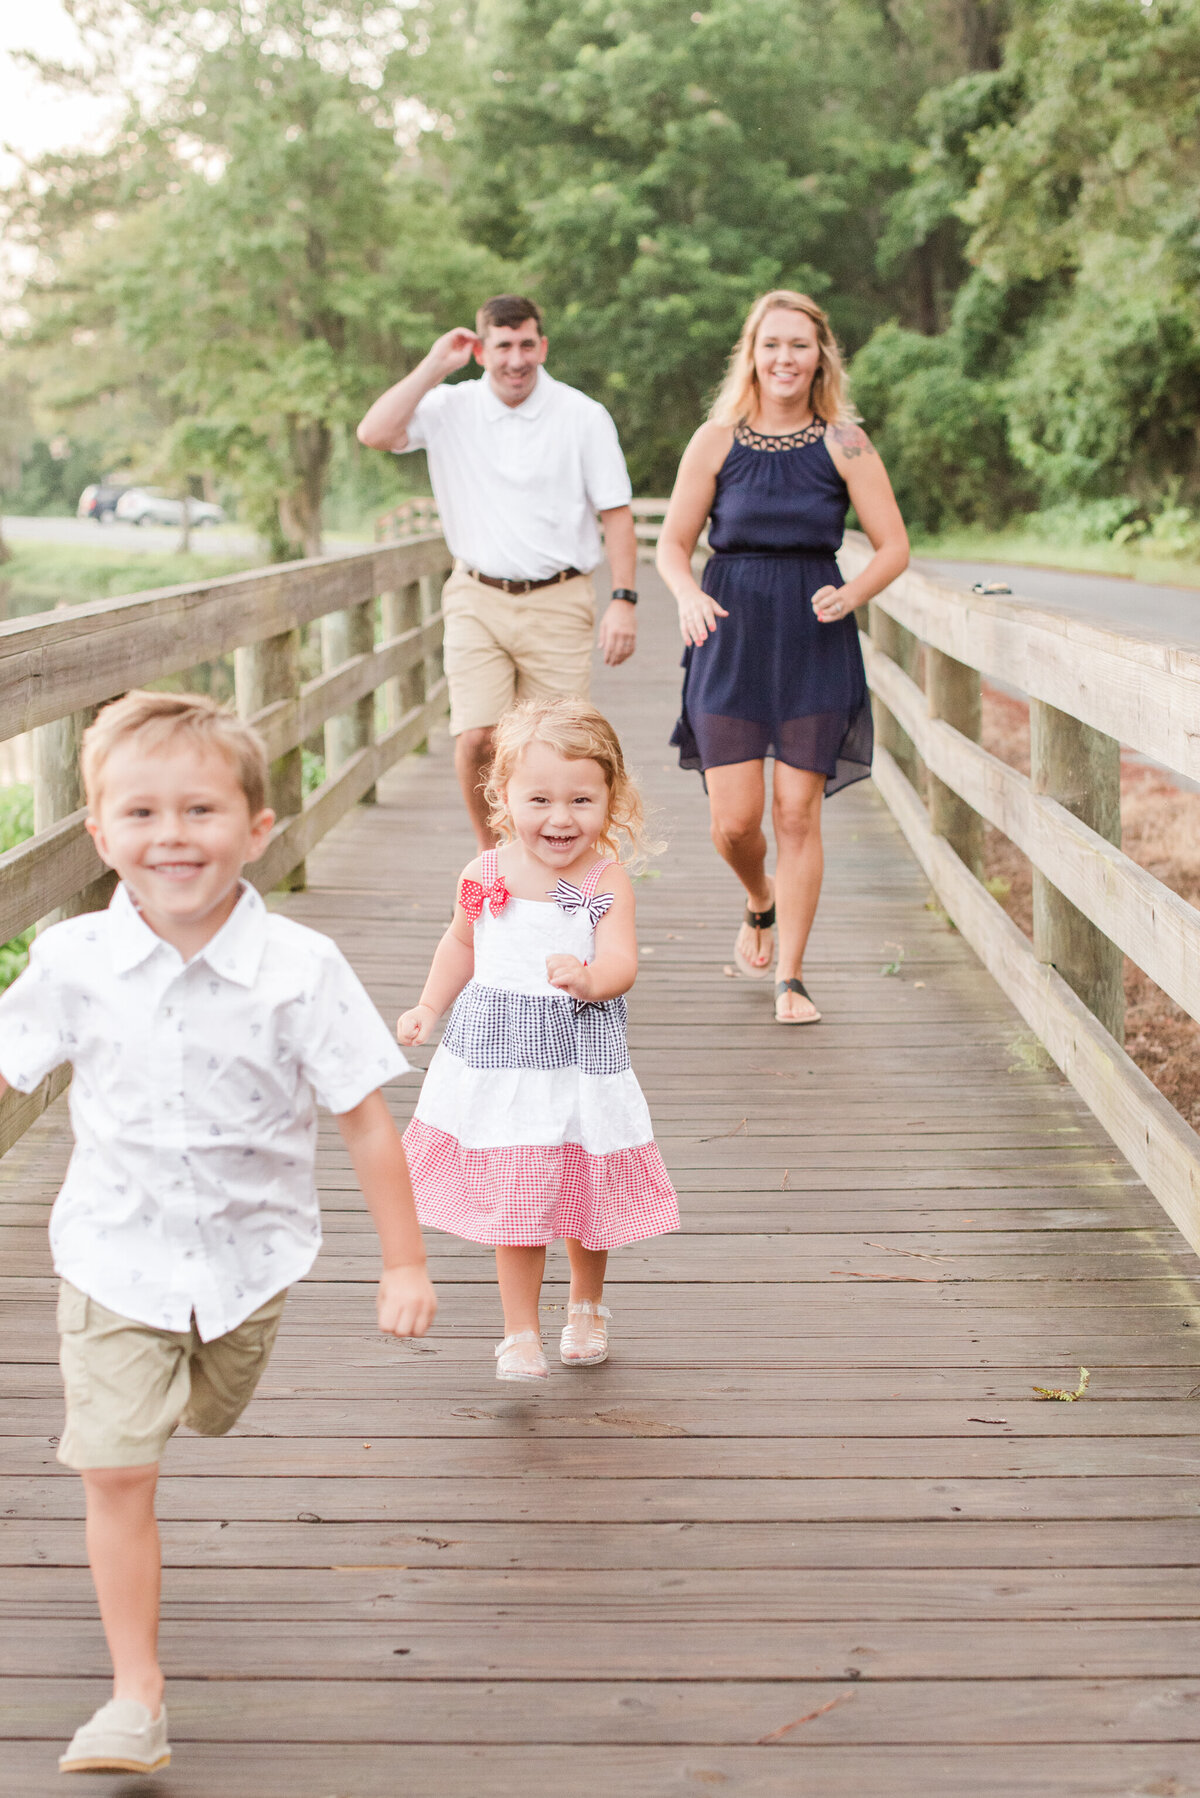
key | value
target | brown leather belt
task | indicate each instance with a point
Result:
(507, 586)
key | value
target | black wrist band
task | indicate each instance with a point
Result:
(626, 593)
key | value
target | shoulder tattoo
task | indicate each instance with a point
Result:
(852, 440)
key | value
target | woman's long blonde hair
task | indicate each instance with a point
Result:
(738, 398)
(577, 732)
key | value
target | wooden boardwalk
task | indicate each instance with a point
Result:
(809, 1532)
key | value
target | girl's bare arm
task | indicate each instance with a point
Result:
(614, 969)
(452, 966)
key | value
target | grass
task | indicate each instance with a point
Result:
(16, 826)
(41, 576)
(1030, 548)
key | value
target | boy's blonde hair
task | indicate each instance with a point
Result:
(154, 720)
(577, 732)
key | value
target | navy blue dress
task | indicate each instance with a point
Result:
(770, 680)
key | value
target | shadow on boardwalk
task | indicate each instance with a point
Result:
(808, 1532)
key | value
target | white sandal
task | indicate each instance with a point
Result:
(585, 1344)
(515, 1363)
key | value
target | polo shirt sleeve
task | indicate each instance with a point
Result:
(348, 1051)
(35, 1034)
(605, 475)
(427, 420)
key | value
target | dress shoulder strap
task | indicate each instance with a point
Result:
(489, 867)
(593, 880)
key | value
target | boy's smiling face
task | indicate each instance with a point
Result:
(176, 826)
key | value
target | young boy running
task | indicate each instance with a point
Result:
(203, 1031)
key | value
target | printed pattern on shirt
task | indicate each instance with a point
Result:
(491, 1028)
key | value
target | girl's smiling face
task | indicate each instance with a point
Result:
(559, 809)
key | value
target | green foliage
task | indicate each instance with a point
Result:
(40, 576)
(941, 432)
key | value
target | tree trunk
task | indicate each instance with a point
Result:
(6, 554)
(311, 443)
(183, 547)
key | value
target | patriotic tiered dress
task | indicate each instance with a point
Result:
(531, 1125)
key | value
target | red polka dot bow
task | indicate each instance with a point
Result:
(473, 893)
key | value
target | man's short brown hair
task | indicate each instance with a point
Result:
(506, 312)
(156, 720)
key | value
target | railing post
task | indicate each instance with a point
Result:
(346, 634)
(57, 792)
(902, 648)
(1081, 768)
(402, 612)
(265, 673)
(953, 692)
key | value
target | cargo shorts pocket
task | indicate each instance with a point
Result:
(72, 1311)
(71, 1316)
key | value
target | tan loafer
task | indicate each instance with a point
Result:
(121, 1738)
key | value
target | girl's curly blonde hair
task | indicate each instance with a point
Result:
(577, 732)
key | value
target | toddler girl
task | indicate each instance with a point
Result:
(531, 1126)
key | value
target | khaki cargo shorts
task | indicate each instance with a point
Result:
(129, 1386)
(500, 647)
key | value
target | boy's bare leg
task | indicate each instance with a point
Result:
(126, 1562)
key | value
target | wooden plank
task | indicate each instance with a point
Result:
(1154, 926)
(1144, 1126)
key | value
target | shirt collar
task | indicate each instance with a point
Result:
(236, 951)
(494, 407)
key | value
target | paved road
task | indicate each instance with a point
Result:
(1172, 612)
(212, 540)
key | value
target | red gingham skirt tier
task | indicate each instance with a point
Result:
(530, 1194)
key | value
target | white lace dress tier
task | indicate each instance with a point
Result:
(531, 1126)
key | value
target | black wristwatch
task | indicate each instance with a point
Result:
(626, 593)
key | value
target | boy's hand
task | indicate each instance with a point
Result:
(406, 1303)
(570, 975)
(414, 1026)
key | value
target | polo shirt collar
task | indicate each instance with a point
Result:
(236, 951)
(494, 407)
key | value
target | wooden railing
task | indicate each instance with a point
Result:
(380, 688)
(1090, 690)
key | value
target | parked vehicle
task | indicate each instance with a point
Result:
(99, 500)
(149, 505)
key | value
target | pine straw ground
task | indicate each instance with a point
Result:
(1160, 828)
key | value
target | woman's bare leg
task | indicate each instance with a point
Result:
(736, 799)
(796, 804)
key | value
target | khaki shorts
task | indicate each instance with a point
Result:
(129, 1386)
(501, 647)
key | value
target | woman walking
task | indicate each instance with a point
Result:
(772, 663)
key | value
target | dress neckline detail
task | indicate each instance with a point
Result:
(774, 441)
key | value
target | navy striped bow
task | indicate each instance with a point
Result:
(570, 899)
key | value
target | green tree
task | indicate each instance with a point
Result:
(654, 168)
(257, 247)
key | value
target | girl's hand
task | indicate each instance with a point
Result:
(832, 603)
(569, 975)
(406, 1303)
(415, 1025)
(698, 614)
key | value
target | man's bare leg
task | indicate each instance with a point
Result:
(472, 759)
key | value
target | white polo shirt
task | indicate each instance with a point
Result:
(519, 487)
(192, 1185)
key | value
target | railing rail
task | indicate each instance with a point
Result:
(380, 689)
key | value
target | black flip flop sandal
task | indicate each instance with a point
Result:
(760, 921)
(794, 986)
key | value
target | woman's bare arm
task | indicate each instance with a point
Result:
(861, 467)
(691, 503)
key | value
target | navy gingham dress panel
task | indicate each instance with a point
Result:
(492, 1028)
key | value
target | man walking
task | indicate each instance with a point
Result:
(520, 464)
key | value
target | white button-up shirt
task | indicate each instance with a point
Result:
(192, 1187)
(519, 487)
